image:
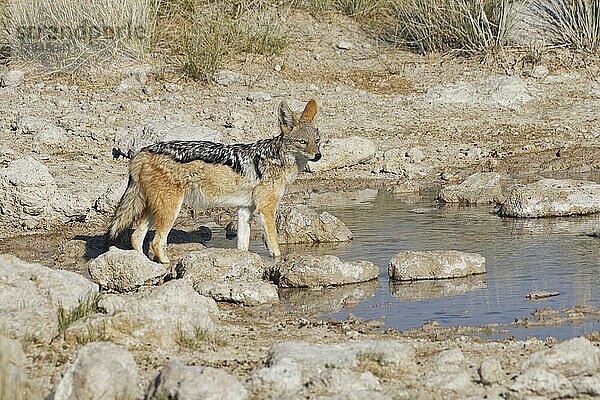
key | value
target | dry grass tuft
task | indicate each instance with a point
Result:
(318, 6)
(217, 31)
(94, 333)
(571, 23)
(361, 8)
(199, 339)
(463, 26)
(199, 37)
(70, 35)
(207, 46)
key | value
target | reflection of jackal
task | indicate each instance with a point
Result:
(253, 177)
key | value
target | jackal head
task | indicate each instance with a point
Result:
(300, 134)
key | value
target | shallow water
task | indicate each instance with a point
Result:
(522, 255)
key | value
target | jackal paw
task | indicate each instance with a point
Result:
(162, 260)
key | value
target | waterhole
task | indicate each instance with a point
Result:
(522, 255)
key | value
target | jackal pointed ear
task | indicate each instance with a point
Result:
(310, 111)
(287, 118)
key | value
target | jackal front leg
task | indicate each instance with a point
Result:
(267, 220)
(243, 231)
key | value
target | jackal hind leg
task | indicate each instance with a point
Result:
(243, 231)
(166, 210)
(267, 220)
(139, 234)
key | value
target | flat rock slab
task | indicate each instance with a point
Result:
(417, 265)
(213, 264)
(157, 315)
(573, 357)
(301, 224)
(541, 384)
(479, 188)
(295, 368)
(125, 270)
(552, 198)
(499, 91)
(242, 292)
(319, 271)
(179, 381)
(230, 275)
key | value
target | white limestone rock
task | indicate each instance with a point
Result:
(552, 198)
(101, 370)
(416, 265)
(125, 270)
(317, 271)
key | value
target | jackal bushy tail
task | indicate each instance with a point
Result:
(131, 207)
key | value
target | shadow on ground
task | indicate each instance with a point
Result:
(96, 245)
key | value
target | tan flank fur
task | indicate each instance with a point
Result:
(252, 177)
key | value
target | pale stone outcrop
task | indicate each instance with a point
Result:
(416, 265)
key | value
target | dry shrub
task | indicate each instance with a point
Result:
(219, 30)
(207, 46)
(464, 26)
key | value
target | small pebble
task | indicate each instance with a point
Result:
(345, 45)
(258, 96)
(172, 87)
(12, 78)
(539, 71)
(422, 210)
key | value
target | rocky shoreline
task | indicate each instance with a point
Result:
(119, 343)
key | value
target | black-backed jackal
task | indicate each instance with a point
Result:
(253, 177)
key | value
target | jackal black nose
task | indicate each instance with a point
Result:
(317, 157)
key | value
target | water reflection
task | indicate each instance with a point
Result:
(432, 289)
(521, 255)
(343, 199)
(328, 300)
(574, 225)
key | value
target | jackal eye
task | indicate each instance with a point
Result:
(317, 140)
(302, 141)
